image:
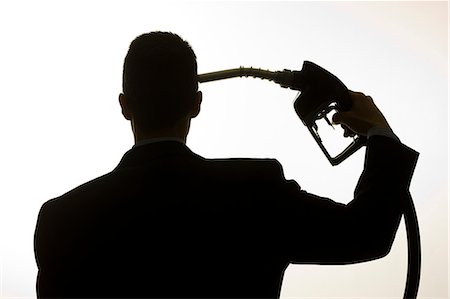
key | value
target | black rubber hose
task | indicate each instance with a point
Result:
(414, 250)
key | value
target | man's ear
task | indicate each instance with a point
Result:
(125, 107)
(197, 103)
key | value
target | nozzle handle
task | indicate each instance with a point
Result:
(320, 90)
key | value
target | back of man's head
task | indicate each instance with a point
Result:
(159, 79)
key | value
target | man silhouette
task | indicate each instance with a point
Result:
(167, 222)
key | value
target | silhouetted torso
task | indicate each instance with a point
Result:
(169, 223)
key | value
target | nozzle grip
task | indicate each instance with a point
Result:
(321, 92)
(319, 88)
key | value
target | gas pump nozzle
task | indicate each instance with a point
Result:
(320, 92)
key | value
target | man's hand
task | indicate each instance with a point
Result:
(363, 116)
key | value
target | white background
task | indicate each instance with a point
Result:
(60, 76)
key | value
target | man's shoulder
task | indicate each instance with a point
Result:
(90, 187)
(262, 168)
(114, 184)
(245, 162)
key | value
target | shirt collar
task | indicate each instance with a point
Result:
(159, 139)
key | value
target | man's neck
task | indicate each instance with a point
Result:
(176, 133)
(159, 139)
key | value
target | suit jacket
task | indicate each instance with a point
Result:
(169, 223)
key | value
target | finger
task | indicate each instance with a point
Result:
(339, 118)
(348, 132)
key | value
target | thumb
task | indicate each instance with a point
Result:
(341, 118)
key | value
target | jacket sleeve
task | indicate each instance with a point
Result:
(41, 255)
(48, 253)
(318, 230)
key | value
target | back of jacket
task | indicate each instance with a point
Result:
(169, 223)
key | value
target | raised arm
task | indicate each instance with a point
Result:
(322, 231)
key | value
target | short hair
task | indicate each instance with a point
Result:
(160, 78)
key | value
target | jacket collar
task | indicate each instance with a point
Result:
(154, 151)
